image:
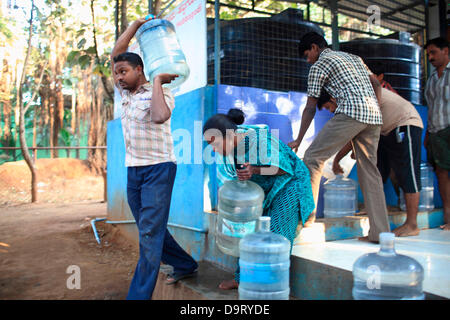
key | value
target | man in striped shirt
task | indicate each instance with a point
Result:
(437, 137)
(357, 118)
(150, 161)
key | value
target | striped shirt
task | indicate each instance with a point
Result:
(437, 94)
(146, 142)
(346, 78)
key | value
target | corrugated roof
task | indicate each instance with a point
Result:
(397, 15)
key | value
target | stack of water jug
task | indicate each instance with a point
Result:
(242, 232)
(426, 201)
(161, 51)
(386, 275)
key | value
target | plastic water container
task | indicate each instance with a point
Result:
(386, 275)
(240, 205)
(426, 201)
(161, 51)
(264, 264)
(340, 197)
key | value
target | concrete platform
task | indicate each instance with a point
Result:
(331, 229)
(324, 270)
(321, 261)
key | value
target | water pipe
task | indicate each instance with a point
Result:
(93, 221)
(174, 225)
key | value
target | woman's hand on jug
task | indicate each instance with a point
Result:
(245, 173)
(163, 78)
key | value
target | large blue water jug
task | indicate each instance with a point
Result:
(264, 264)
(386, 275)
(340, 197)
(426, 201)
(240, 205)
(161, 51)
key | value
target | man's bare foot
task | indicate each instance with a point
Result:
(366, 239)
(406, 230)
(228, 285)
(445, 227)
(311, 219)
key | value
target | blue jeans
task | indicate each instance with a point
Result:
(149, 192)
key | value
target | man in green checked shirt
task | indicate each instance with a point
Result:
(357, 118)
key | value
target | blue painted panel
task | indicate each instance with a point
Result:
(118, 208)
(188, 197)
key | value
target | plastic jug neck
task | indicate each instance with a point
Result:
(387, 246)
(264, 224)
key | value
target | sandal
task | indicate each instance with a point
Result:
(173, 277)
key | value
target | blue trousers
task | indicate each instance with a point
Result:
(149, 191)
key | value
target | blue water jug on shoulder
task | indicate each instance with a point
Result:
(161, 51)
(264, 264)
(386, 275)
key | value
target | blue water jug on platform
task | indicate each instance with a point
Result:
(340, 197)
(161, 51)
(264, 264)
(426, 201)
(240, 205)
(386, 275)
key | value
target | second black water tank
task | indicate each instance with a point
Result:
(398, 61)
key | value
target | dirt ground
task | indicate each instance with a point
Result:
(39, 242)
(62, 180)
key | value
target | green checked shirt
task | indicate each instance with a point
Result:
(346, 78)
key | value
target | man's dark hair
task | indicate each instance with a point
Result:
(132, 58)
(308, 39)
(440, 42)
(324, 98)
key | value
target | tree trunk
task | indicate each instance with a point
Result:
(123, 16)
(22, 110)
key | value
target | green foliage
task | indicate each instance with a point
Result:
(4, 28)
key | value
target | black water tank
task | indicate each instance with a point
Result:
(399, 61)
(262, 52)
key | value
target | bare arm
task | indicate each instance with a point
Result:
(122, 43)
(160, 110)
(248, 171)
(307, 116)
(376, 86)
(346, 149)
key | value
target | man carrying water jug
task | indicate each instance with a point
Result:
(399, 148)
(357, 118)
(150, 161)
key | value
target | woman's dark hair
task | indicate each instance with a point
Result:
(308, 39)
(132, 58)
(224, 122)
(324, 98)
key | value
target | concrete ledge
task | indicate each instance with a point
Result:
(204, 286)
(331, 229)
